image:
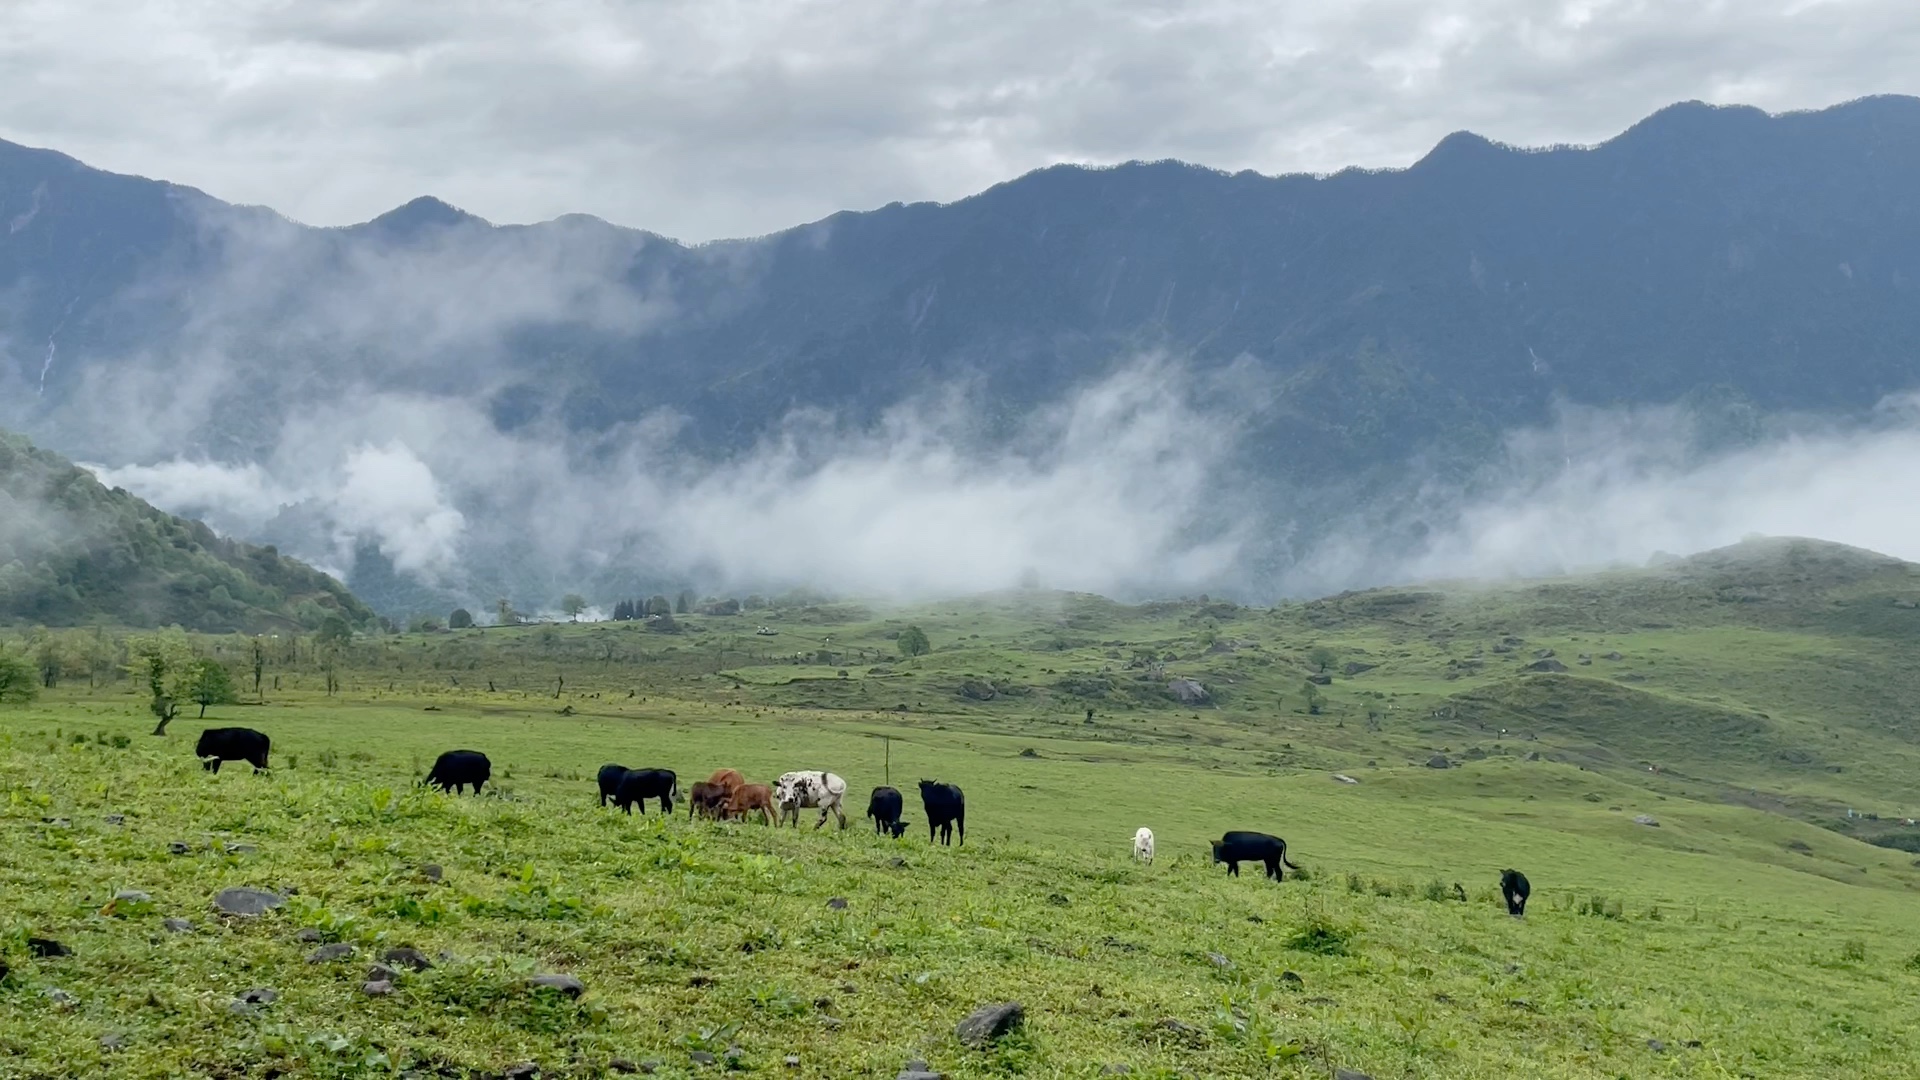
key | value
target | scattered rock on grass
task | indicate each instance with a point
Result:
(177, 926)
(47, 947)
(407, 956)
(622, 1065)
(377, 987)
(432, 872)
(525, 1070)
(381, 972)
(310, 934)
(1645, 819)
(1439, 761)
(113, 1040)
(792, 1061)
(247, 901)
(1344, 778)
(1220, 961)
(61, 998)
(339, 950)
(990, 1022)
(1656, 1046)
(1292, 978)
(178, 847)
(260, 995)
(241, 849)
(1350, 1074)
(566, 984)
(838, 903)
(115, 819)
(920, 1074)
(701, 1057)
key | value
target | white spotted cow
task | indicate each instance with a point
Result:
(1143, 845)
(795, 790)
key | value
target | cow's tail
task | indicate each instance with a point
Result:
(1283, 858)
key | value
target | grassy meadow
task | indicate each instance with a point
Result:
(1751, 932)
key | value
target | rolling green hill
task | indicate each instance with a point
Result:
(73, 551)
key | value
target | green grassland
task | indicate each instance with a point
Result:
(1750, 932)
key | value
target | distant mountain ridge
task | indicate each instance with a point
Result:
(73, 552)
(1738, 262)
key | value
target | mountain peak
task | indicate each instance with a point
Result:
(418, 216)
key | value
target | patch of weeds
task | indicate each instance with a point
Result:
(1854, 951)
(1435, 890)
(713, 1040)
(1600, 906)
(1356, 883)
(1321, 936)
(1913, 962)
(333, 926)
(430, 912)
(780, 1001)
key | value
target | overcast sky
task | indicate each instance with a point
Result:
(710, 118)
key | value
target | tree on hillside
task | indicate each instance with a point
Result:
(461, 619)
(913, 642)
(209, 683)
(424, 624)
(685, 602)
(1322, 658)
(17, 685)
(163, 660)
(334, 631)
(573, 604)
(658, 604)
(504, 609)
(1314, 699)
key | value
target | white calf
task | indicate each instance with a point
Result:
(1143, 845)
(796, 790)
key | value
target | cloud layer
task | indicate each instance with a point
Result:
(703, 120)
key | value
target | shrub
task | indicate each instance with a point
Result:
(1320, 936)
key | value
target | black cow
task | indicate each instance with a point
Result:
(946, 806)
(1235, 848)
(883, 806)
(899, 828)
(639, 785)
(455, 769)
(1514, 887)
(231, 744)
(610, 781)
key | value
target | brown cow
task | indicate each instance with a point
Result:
(707, 799)
(750, 797)
(728, 780)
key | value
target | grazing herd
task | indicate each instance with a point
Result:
(726, 795)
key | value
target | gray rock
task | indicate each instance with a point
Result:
(47, 948)
(566, 984)
(1547, 665)
(920, 1074)
(60, 997)
(178, 847)
(915, 1065)
(115, 819)
(1220, 961)
(1656, 1046)
(1355, 667)
(177, 926)
(113, 1040)
(58, 823)
(524, 1070)
(382, 973)
(1292, 978)
(447, 957)
(1188, 692)
(339, 950)
(247, 901)
(407, 956)
(838, 903)
(132, 896)
(832, 1023)
(1320, 678)
(241, 849)
(377, 987)
(1613, 656)
(701, 1057)
(990, 1022)
(733, 1054)
(1350, 1074)
(309, 934)
(792, 1061)
(1542, 654)
(1439, 761)
(241, 1008)
(1344, 778)
(1645, 819)
(260, 995)
(432, 872)
(622, 1065)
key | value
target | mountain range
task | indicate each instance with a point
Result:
(1359, 334)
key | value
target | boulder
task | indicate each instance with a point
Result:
(1645, 819)
(1548, 664)
(978, 690)
(178, 847)
(1613, 656)
(379, 972)
(566, 984)
(989, 1022)
(1354, 667)
(327, 953)
(377, 987)
(177, 926)
(407, 956)
(1344, 778)
(1439, 761)
(247, 901)
(1188, 692)
(1542, 654)
(1320, 678)
(47, 947)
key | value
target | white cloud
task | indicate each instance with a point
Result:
(702, 120)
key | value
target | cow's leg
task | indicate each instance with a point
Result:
(214, 765)
(840, 814)
(961, 820)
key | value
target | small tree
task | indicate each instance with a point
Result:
(461, 619)
(1314, 699)
(658, 604)
(1322, 658)
(18, 684)
(684, 603)
(504, 609)
(334, 631)
(913, 642)
(259, 666)
(209, 683)
(573, 604)
(164, 661)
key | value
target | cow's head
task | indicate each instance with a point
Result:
(1218, 847)
(898, 829)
